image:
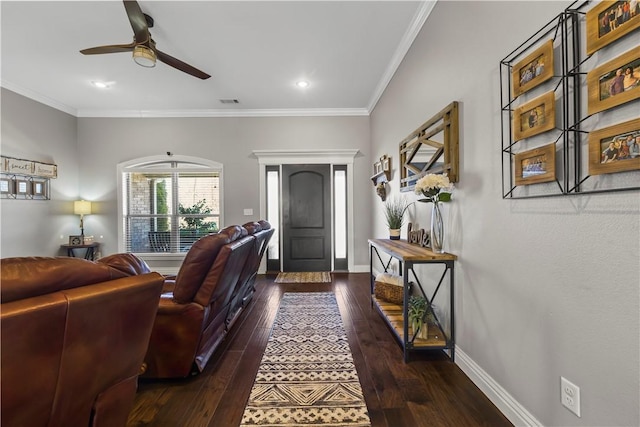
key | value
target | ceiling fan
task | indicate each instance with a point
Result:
(143, 46)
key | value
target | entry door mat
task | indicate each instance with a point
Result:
(310, 277)
(307, 376)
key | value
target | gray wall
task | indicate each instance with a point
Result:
(33, 131)
(545, 287)
(105, 142)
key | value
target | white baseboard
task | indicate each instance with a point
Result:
(511, 408)
(360, 269)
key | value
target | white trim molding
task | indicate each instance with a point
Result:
(507, 404)
(310, 156)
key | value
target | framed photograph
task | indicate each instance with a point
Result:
(615, 82)
(534, 69)
(386, 163)
(6, 186)
(607, 21)
(535, 117)
(39, 189)
(536, 166)
(615, 148)
(23, 187)
(76, 240)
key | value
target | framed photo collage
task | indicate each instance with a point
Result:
(550, 89)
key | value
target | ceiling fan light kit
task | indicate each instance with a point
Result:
(143, 46)
(144, 56)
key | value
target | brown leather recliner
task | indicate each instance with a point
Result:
(190, 323)
(262, 232)
(74, 334)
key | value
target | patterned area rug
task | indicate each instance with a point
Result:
(313, 277)
(307, 376)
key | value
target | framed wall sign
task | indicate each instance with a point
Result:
(534, 117)
(534, 69)
(615, 148)
(615, 82)
(536, 166)
(607, 21)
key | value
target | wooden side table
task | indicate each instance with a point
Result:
(396, 316)
(89, 253)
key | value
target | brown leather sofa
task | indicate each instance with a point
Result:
(191, 319)
(262, 232)
(74, 335)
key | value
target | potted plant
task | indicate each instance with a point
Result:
(394, 210)
(420, 314)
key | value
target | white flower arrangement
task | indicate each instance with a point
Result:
(435, 187)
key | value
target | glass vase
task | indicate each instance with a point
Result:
(437, 229)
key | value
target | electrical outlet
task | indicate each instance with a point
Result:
(570, 395)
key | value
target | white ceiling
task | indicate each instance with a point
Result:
(255, 51)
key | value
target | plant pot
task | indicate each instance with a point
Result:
(394, 233)
(422, 329)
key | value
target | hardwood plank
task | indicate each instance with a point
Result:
(428, 391)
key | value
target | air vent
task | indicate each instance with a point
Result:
(230, 101)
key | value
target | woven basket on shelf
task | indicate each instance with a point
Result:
(388, 292)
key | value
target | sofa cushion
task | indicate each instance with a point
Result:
(25, 277)
(252, 227)
(196, 265)
(265, 225)
(128, 263)
(234, 232)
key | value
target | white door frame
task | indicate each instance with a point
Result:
(310, 156)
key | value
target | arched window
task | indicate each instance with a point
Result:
(167, 203)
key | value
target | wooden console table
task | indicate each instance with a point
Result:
(90, 250)
(396, 315)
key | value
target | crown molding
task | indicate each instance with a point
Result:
(309, 112)
(405, 44)
(28, 93)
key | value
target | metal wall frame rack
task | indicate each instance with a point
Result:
(570, 140)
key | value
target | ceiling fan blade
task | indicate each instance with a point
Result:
(114, 48)
(182, 66)
(137, 20)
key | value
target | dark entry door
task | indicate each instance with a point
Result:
(306, 207)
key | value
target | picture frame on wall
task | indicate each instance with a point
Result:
(6, 186)
(535, 69)
(534, 117)
(39, 189)
(536, 165)
(23, 187)
(608, 21)
(615, 148)
(615, 82)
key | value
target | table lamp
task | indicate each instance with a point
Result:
(82, 208)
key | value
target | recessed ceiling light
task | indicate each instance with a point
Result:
(102, 85)
(302, 84)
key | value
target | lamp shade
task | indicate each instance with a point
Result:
(81, 207)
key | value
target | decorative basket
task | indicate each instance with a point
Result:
(388, 292)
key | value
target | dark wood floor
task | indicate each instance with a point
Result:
(428, 391)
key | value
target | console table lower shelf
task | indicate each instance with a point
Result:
(392, 314)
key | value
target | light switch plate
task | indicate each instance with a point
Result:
(248, 212)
